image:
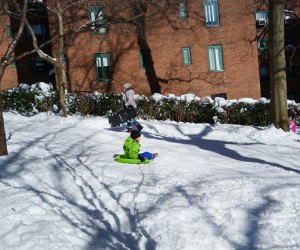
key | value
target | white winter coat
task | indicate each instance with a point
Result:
(128, 98)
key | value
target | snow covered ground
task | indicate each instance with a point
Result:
(212, 187)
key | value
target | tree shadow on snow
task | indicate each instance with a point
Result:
(255, 215)
(91, 215)
(219, 147)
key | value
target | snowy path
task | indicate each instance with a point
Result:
(212, 187)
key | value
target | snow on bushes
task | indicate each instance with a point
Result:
(41, 97)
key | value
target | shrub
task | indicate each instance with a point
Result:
(30, 100)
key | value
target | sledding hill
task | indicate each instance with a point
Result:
(212, 187)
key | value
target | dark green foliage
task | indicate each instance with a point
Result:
(23, 102)
(29, 102)
(104, 104)
(257, 114)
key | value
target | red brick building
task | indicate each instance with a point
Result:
(10, 77)
(204, 47)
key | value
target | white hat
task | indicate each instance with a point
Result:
(127, 85)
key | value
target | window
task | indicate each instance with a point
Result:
(215, 60)
(222, 95)
(145, 58)
(103, 67)
(182, 10)
(37, 63)
(97, 16)
(261, 17)
(261, 45)
(14, 64)
(39, 30)
(186, 56)
(9, 31)
(211, 13)
(63, 58)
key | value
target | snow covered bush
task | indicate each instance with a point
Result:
(40, 97)
(257, 114)
(104, 104)
(29, 100)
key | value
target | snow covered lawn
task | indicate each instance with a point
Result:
(212, 187)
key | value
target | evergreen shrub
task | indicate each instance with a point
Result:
(28, 101)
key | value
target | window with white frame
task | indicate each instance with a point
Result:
(261, 17)
(182, 10)
(97, 17)
(215, 58)
(103, 67)
(186, 56)
(211, 13)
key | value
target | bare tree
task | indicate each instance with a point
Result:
(7, 59)
(55, 8)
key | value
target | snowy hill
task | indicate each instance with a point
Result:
(212, 187)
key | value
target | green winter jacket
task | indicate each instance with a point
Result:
(131, 148)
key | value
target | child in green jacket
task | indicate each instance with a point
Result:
(132, 147)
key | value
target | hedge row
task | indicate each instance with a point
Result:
(30, 102)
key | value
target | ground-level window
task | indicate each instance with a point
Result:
(215, 58)
(211, 13)
(103, 67)
(186, 56)
(222, 95)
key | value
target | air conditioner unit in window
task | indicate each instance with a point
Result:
(262, 22)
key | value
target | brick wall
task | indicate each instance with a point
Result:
(165, 38)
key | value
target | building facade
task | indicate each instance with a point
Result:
(203, 47)
(208, 48)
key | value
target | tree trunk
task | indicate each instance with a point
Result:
(279, 115)
(61, 80)
(60, 69)
(4, 62)
(3, 147)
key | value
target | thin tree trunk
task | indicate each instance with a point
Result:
(62, 76)
(5, 60)
(61, 79)
(277, 63)
(3, 147)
